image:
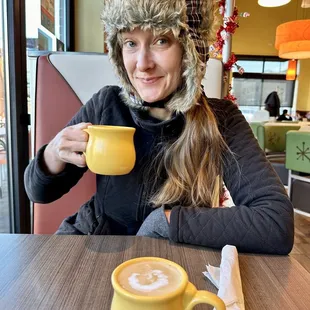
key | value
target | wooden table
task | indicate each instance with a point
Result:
(73, 272)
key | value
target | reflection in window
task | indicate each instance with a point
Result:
(46, 25)
(46, 29)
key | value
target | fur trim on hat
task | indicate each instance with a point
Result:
(160, 16)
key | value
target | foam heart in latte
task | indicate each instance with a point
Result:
(150, 278)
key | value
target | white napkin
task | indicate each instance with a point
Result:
(227, 279)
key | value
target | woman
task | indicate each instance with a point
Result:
(186, 144)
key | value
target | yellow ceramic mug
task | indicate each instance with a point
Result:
(155, 283)
(110, 149)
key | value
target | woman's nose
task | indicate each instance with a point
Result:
(145, 60)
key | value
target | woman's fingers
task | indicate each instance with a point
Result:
(71, 146)
(72, 152)
(67, 147)
(74, 158)
(72, 143)
(76, 132)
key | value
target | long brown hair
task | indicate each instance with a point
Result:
(194, 162)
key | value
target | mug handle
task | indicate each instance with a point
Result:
(86, 130)
(194, 297)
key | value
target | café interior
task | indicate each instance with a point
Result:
(53, 59)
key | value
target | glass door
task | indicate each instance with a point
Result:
(48, 26)
(4, 197)
(47, 30)
(14, 153)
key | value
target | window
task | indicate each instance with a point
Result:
(4, 197)
(15, 16)
(47, 29)
(262, 76)
(46, 25)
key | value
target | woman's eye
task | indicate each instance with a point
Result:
(162, 41)
(130, 44)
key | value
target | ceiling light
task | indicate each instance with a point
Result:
(291, 70)
(272, 3)
(293, 39)
(305, 4)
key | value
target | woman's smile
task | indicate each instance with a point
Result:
(149, 81)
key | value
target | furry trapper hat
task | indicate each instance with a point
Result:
(191, 21)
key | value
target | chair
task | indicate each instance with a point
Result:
(276, 148)
(298, 164)
(64, 82)
(259, 133)
(271, 138)
(275, 137)
(61, 83)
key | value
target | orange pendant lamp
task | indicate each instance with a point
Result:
(291, 70)
(293, 39)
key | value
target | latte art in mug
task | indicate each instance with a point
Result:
(150, 278)
(156, 283)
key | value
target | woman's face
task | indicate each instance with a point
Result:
(153, 63)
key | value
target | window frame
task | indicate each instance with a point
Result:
(15, 81)
(70, 26)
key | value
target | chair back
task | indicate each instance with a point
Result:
(275, 136)
(298, 151)
(63, 83)
(259, 133)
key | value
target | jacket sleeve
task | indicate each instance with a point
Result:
(42, 187)
(261, 220)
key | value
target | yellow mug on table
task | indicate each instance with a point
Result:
(110, 149)
(155, 283)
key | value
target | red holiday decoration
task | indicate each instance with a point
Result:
(231, 97)
(231, 62)
(229, 28)
(230, 25)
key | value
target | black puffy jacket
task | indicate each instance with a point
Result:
(262, 220)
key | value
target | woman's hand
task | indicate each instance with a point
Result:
(67, 147)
